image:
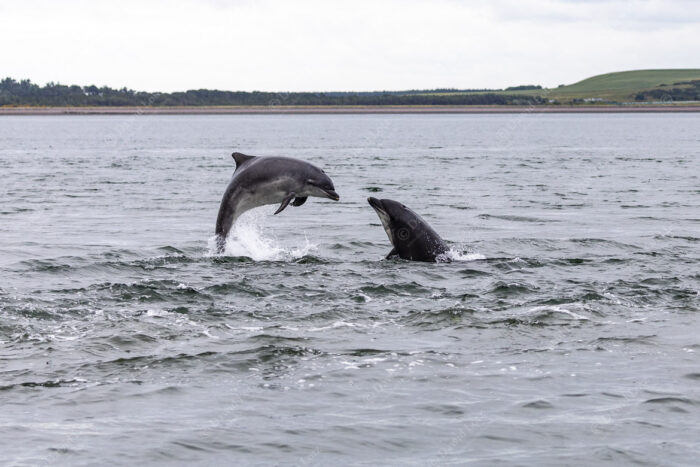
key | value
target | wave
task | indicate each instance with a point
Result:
(57, 383)
(514, 218)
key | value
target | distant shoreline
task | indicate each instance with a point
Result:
(383, 109)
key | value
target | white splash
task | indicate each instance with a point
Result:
(250, 238)
(337, 324)
(455, 255)
(157, 313)
(561, 310)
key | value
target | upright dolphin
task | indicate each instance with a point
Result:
(413, 239)
(258, 181)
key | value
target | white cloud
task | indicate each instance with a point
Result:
(347, 45)
(620, 13)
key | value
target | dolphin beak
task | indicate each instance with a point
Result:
(332, 195)
(375, 203)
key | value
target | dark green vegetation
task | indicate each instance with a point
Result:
(526, 87)
(26, 93)
(683, 91)
(627, 86)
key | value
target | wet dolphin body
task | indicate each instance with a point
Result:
(258, 181)
(413, 239)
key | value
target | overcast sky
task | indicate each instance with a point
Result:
(354, 45)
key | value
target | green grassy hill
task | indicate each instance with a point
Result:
(624, 85)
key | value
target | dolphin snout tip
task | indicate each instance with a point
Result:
(333, 195)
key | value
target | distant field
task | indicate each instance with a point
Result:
(618, 87)
(622, 86)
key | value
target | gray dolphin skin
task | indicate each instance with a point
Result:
(258, 181)
(413, 239)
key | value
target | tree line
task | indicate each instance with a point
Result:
(689, 91)
(26, 93)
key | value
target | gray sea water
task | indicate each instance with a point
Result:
(567, 331)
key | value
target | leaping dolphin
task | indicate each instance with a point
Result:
(413, 239)
(258, 181)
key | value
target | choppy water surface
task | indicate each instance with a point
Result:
(566, 332)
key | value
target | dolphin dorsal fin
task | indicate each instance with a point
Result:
(241, 158)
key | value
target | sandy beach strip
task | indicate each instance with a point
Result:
(385, 109)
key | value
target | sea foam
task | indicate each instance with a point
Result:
(251, 238)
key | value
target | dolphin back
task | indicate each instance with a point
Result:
(427, 245)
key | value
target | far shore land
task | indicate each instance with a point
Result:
(379, 109)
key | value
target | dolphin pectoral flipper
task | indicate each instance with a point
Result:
(299, 201)
(285, 202)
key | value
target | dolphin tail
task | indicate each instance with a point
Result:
(220, 244)
(224, 221)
